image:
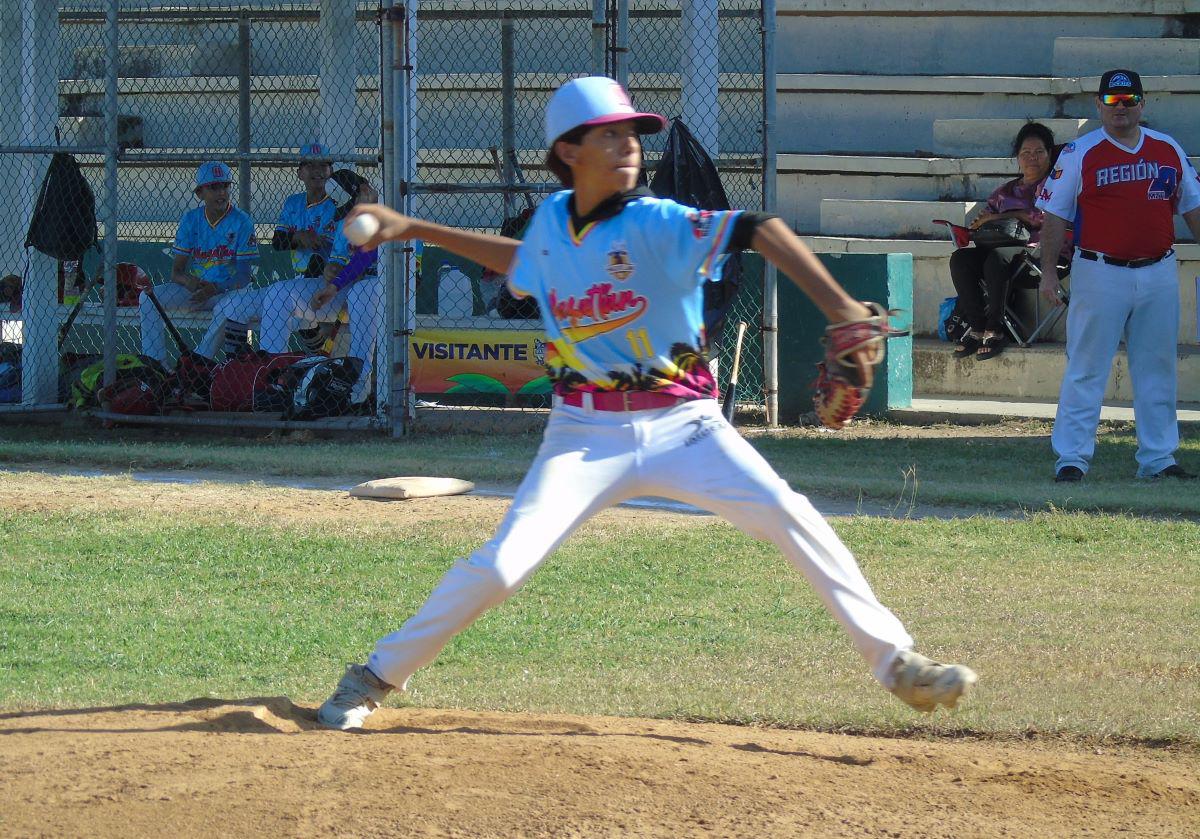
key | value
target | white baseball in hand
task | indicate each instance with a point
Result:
(361, 228)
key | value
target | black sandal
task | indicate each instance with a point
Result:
(991, 347)
(967, 345)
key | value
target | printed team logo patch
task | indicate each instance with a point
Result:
(620, 266)
(1120, 80)
(1056, 174)
(701, 222)
(1163, 187)
(1045, 195)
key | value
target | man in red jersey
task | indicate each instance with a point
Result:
(1121, 185)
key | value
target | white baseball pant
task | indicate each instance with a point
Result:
(174, 296)
(590, 460)
(287, 309)
(1109, 303)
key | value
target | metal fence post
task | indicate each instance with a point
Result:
(111, 151)
(599, 31)
(244, 109)
(508, 104)
(770, 275)
(401, 18)
(621, 47)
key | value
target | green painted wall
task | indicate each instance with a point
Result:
(884, 278)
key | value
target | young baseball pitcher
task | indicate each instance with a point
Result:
(618, 275)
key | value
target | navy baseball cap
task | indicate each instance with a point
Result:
(1120, 81)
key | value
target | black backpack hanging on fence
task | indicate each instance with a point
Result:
(687, 174)
(63, 225)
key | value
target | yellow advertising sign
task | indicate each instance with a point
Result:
(478, 361)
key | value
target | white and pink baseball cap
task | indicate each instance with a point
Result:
(594, 100)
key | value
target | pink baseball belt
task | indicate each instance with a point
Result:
(620, 400)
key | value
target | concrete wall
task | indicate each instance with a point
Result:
(931, 278)
(932, 44)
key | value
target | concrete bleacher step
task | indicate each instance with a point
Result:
(892, 219)
(157, 61)
(804, 180)
(896, 114)
(991, 137)
(1149, 56)
(1027, 373)
(885, 218)
(955, 36)
(818, 113)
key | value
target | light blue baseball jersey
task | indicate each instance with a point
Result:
(213, 248)
(622, 299)
(298, 215)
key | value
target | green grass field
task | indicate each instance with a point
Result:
(120, 609)
(1080, 624)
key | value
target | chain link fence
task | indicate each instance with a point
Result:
(213, 187)
(483, 73)
(193, 149)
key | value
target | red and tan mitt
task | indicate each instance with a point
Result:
(840, 389)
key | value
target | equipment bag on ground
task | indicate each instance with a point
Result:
(311, 388)
(87, 381)
(235, 382)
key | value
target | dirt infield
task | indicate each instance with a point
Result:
(261, 767)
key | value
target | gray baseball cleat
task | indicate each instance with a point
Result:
(925, 684)
(357, 695)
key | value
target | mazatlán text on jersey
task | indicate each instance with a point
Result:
(217, 254)
(598, 304)
(1141, 171)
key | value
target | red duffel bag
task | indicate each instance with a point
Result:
(235, 382)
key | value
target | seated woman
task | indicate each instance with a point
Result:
(981, 275)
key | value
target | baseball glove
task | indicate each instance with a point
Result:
(839, 389)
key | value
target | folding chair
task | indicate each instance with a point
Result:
(1023, 328)
(1026, 278)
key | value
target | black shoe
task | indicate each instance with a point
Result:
(1070, 475)
(1174, 471)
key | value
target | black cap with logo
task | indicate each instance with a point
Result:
(1120, 81)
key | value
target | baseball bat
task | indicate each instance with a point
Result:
(65, 329)
(495, 152)
(730, 403)
(512, 158)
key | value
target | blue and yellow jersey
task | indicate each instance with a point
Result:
(214, 248)
(622, 298)
(298, 214)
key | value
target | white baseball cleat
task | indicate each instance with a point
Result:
(357, 695)
(925, 684)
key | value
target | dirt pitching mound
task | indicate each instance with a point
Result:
(261, 767)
